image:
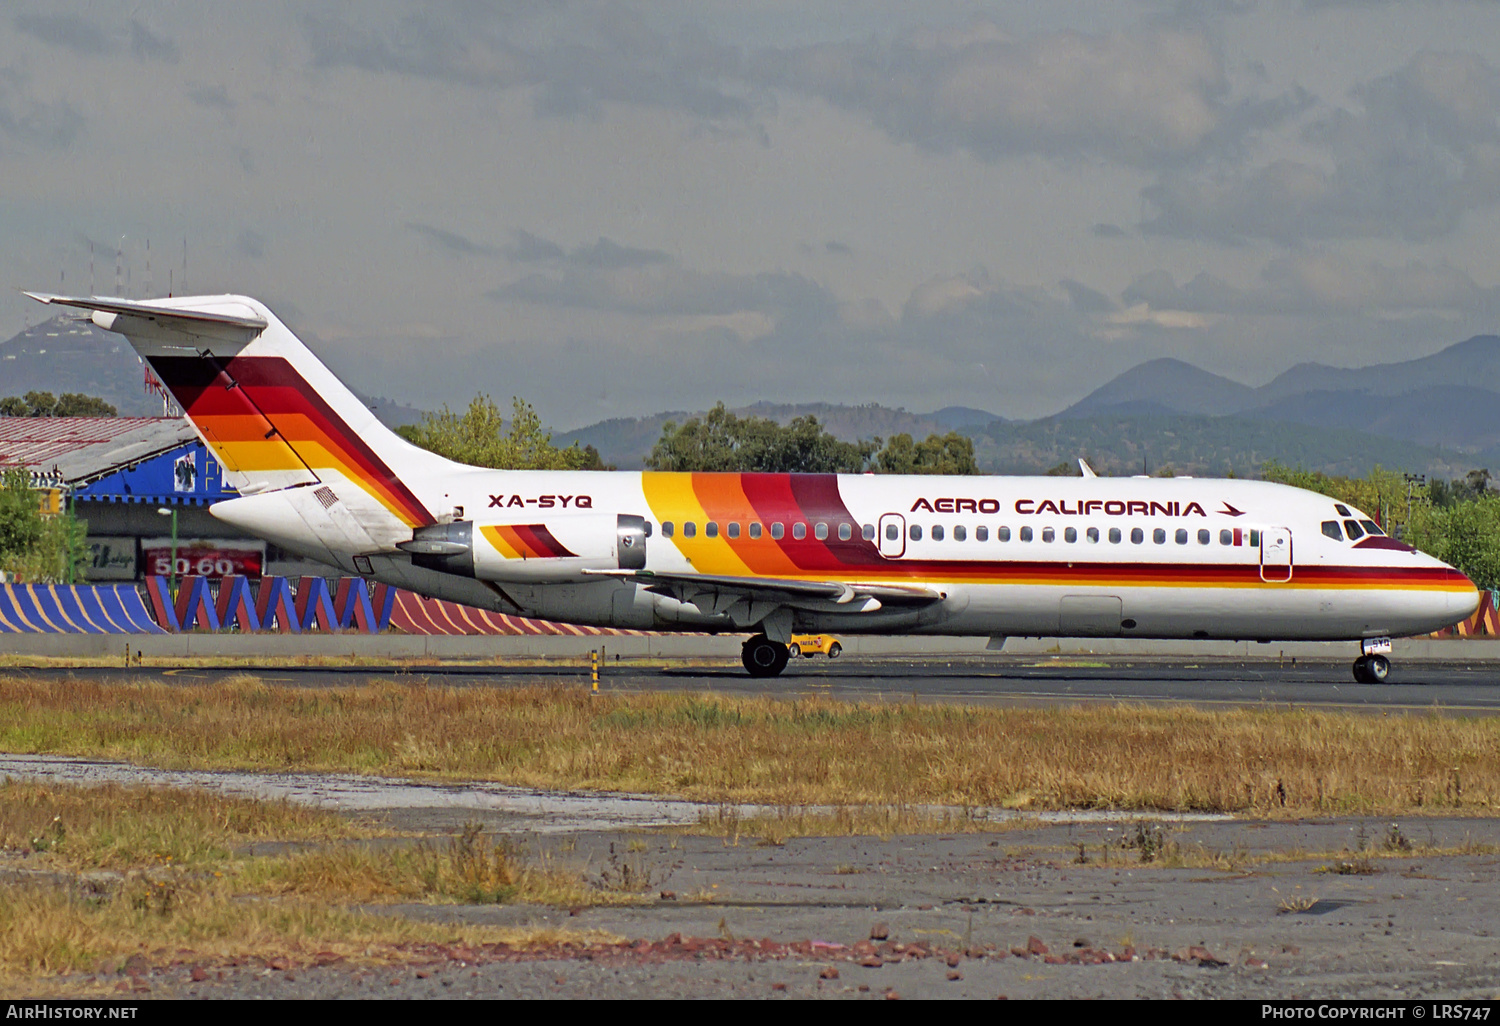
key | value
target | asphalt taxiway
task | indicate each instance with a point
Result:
(1456, 687)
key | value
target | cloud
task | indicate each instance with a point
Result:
(27, 120)
(451, 242)
(672, 291)
(1086, 299)
(250, 244)
(1103, 230)
(604, 253)
(575, 61)
(1153, 97)
(216, 97)
(1323, 285)
(148, 46)
(1423, 150)
(66, 31)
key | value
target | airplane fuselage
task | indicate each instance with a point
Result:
(1035, 556)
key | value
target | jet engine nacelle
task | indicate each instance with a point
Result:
(555, 550)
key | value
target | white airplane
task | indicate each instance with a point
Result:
(770, 554)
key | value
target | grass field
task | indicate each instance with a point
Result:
(95, 875)
(783, 752)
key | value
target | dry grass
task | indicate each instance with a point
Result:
(778, 752)
(45, 931)
(176, 882)
(116, 827)
(469, 868)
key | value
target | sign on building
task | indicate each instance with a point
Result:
(113, 559)
(203, 557)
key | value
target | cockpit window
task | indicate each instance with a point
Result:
(1371, 527)
(1343, 510)
(1354, 530)
(1331, 529)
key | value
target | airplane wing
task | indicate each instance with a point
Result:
(831, 596)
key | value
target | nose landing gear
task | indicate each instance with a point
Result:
(1372, 669)
(764, 657)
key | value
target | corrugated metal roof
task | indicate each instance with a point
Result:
(73, 450)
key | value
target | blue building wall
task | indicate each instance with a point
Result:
(163, 480)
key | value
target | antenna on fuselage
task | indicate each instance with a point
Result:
(1085, 469)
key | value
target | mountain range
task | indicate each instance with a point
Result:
(1436, 414)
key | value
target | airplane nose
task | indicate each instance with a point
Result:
(1463, 599)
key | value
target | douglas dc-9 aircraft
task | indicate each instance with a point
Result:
(770, 554)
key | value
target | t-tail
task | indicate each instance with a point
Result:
(277, 419)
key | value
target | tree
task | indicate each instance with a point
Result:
(37, 548)
(76, 404)
(952, 453)
(20, 514)
(723, 441)
(43, 404)
(480, 437)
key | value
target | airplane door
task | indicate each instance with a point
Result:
(1276, 555)
(892, 534)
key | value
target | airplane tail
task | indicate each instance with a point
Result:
(273, 414)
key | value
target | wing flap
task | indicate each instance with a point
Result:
(844, 596)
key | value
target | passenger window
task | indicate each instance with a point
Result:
(868, 533)
(1353, 530)
(960, 533)
(820, 532)
(1226, 537)
(1331, 529)
(1370, 526)
(1343, 510)
(755, 529)
(916, 532)
(777, 531)
(733, 530)
(1114, 536)
(1255, 538)
(981, 533)
(845, 532)
(1137, 536)
(1003, 534)
(799, 531)
(1182, 538)
(1205, 536)
(892, 532)
(1026, 534)
(1048, 534)
(666, 529)
(689, 529)
(1092, 534)
(1070, 535)
(648, 529)
(1159, 536)
(711, 529)
(937, 532)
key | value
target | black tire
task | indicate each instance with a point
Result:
(834, 650)
(763, 657)
(1362, 672)
(794, 650)
(1377, 669)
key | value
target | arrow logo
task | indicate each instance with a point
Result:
(1230, 511)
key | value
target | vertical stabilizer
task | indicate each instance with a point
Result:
(272, 413)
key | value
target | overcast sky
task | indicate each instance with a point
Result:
(613, 209)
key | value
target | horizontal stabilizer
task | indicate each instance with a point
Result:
(227, 315)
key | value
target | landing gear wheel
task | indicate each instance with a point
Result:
(794, 650)
(1372, 669)
(764, 657)
(834, 650)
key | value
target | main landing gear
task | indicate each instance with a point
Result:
(764, 657)
(1372, 669)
